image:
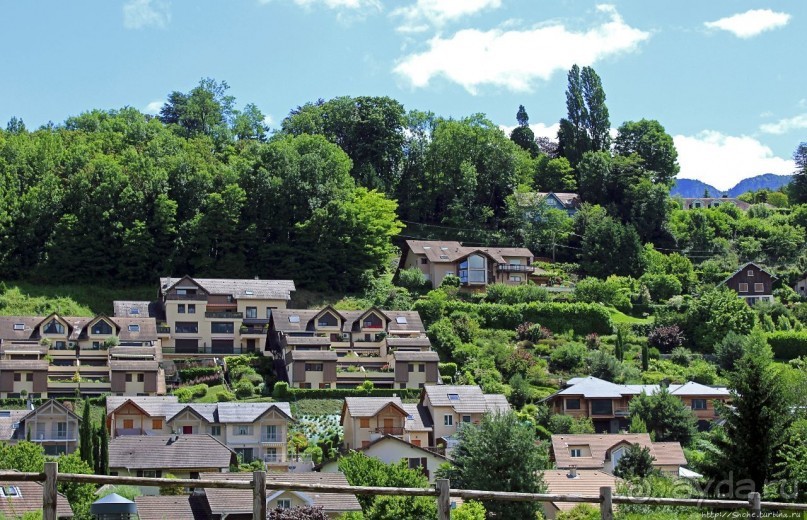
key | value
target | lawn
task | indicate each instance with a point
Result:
(620, 317)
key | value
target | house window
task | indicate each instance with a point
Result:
(699, 404)
(141, 377)
(271, 455)
(313, 367)
(150, 473)
(424, 261)
(252, 312)
(602, 407)
(186, 327)
(268, 312)
(128, 377)
(17, 376)
(305, 386)
(215, 430)
(411, 367)
(448, 420)
(181, 308)
(222, 327)
(54, 327)
(243, 429)
(156, 424)
(327, 320)
(743, 287)
(453, 397)
(128, 424)
(61, 430)
(60, 345)
(134, 328)
(364, 422)
(572, 404)
(421, 367)
(284, 503)
(270, 433)
(466, 418)
(515, 278)
(19, 326)
(96, 345)
(750, 273)
(759, 287)
(191, 308)
(575, 452)
(102, 327)
(29, 376)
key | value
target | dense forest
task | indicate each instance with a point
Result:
(204, 188)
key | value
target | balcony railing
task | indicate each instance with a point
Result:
(253, 330)
(225, 315)
(205, 350)
(390, 430)
(622, 412)
(271, 438)
(163, 330)
(514, 268)
(272, 459)
(187, 297)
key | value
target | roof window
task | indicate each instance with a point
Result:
(443, 257)
(134, 312)
(19, 326)
(134, 327)
(249, 293)
(453, 397)
(427, 247)
(294, 319)
(400, 320)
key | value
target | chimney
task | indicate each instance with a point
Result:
(572, 472)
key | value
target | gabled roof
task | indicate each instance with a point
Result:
(182, 507)
(743, 268)
(330, 309)
(239, 501)
(386, 438)
(449, 252)
(9, 423)
(167, 452)
(594, 388)
(30, 501)
(425, 356)
(48, 404)
(418, 419)
(586, 483)
(601, 445)
(464, 398)
(370, 406)
(244, 288)
(169, 407)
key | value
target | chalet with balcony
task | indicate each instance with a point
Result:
(236, 504)
(57, 356)
(450, 406)
(602, 452)
(184, 456)
(607, 404)
(476, 267)
(751, 283)
(254, 431)
(51, 425)
(326, 348)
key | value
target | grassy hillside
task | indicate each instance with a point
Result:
(24, 298)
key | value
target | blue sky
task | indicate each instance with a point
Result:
(725, 77)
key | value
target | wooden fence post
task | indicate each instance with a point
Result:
(754, 500)
(443, 499)
(258, 495)
(49, 493)
(606, 506)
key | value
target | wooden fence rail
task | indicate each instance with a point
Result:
(442, 492)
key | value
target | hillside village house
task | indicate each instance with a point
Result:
(327, 348)
(801, 286)
(711, 202)
(606, 403)
(254, 431)
(574, 482)
(476, 267)
(22, 499)
(751, 283)
(212, 316)
(236, 504)
(536, 202)
(51, 425)
(184, 456)
(58, 356)
(602, 452)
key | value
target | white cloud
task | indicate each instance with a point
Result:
(334, 4)
(153, 107)
(724, 160)
(750, 23)
(514, 59)
(268, 120)
(138, 14)
(539, 129)
(439, 12)
(785, 125)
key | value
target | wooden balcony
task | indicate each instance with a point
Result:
(390, 430)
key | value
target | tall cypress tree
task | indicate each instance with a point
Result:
(103, 459)
(85, 436)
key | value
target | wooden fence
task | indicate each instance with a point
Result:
(442, 492)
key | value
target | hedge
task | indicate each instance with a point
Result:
(582, 318)
(341, 393)
(186, 374)
(788, 344)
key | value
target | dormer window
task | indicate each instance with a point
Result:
(134, 328)
(54, 327)
(327, 320)
(19, 326)
(102, 327)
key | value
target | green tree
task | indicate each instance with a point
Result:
(500, 455)
(522, 135)
(24, 456)
(756, 425)
(797, 190)
(610, 247)
(80, 496)
(716, 313)
(587, 125)
(470, 510)
(649, 140)
(636, 462)
(103, 461)
(665, 415)
(85, 436)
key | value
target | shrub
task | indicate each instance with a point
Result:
(225, 396)
(614, 291)
(244, 389)
(280, 390)
(187, 374)
(593, 341)
(604, 366)
(512, 294)
(447, 369)
(662, 287)
(666, 338)
(681, 356)
(581, 318)
(568, 358)
(186, 394)
(413, 280)
(789, 344)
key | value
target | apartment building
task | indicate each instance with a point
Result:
(254, 431)
(607, 403)
(51, 425)
(59, 356)
(602, 452)
(326, 348)
(476, 267)
(212, 317)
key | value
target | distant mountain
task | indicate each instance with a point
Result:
(688, 188)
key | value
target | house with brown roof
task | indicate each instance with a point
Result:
(181, 507)
(751, 283)
(236, 504)
(450, 406)
(476, 267)
(212, 317)
(688, 203)
(603, 451)
(368, 419)
(51, 425)
(574, 482)
(18, 498)
(607, 404)
(254, 431)
(184, 456)
(57, 356)
(329, 348)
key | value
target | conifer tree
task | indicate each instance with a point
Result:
(85, 436)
